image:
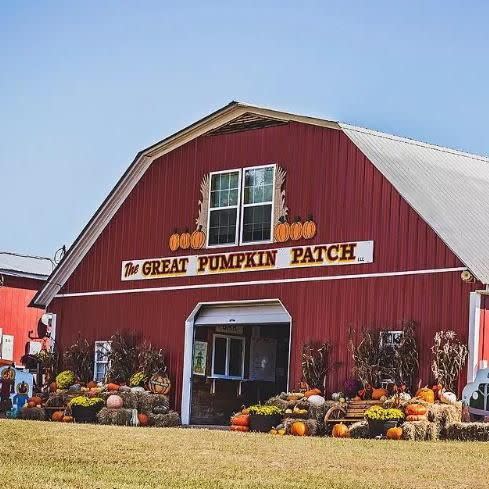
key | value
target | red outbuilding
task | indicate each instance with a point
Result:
(253, 231)
(21, 277)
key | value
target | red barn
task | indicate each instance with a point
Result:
(20, 278)
(252, 231)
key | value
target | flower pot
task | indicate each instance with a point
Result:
(83, 414)
(263, 423)
(379, 427)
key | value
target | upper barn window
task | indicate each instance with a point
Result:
(241, 206)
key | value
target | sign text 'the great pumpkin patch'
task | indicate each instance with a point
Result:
(248, 261)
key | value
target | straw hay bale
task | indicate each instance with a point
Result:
(444, 414)
(278, 402)
(58, 399)
(147, 401)
(120, 417)
(311, 424)
(359, 430)
(468, 431)
(419, 430)
(165, 420)
(33, 413)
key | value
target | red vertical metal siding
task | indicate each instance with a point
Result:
(484, 329)
(327, 176)
(16, 318)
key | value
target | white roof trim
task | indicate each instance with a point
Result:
(129, 180)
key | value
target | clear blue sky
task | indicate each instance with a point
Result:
(85, 85)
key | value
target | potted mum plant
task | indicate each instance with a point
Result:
(85, 409)
(380, 419)
(264, 418)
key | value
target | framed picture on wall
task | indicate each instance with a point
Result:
(200, 358)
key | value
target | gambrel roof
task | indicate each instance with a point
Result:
(449, 189)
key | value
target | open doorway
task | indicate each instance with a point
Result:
(240, 356)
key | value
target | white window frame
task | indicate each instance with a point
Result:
(243, 205)
(237, 207)
(96, 363)
(238, 239)
(228, 342)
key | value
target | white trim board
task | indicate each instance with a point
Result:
(263, 282)
(474, 333)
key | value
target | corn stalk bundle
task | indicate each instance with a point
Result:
(316, 364)
(449, 356)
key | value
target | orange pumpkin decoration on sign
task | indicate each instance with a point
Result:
(296, 229)
(298, 428)
(282, 230)
(426, 394)
(415, 409)
(340, 431)
(185, 240)
(309, 228)
(174, 241)
(197, 239)
(394, 433)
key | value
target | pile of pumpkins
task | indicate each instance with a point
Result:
(114, 401)
(34, 401)
(60, 416)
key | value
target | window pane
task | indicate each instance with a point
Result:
(101, 370)
(234, 180)
(222, 226)
(220, 356)
(258, 185)
(235, 357)
(233, 196)
(224, 190)
(257, 223)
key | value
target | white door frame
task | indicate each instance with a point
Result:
(189, 343)
(474, 333)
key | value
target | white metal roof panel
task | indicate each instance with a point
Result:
(25, 266)
(449, 190)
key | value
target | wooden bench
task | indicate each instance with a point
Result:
(349, 412)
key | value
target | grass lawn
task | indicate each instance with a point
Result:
(57, 455)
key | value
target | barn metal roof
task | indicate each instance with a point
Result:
(449, 190)
(26, 266)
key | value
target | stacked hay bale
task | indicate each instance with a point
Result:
(359, 430)
(36, 413)
(467, 431)
(311, 425)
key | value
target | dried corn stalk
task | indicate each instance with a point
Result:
(315, 364)
(449, 357)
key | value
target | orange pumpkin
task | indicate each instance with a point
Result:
(378, 394)
(57, 416)
(296, 229)
(92, 384)
(67, 419)
(53, 387)
(415, 410)
(36, 400)
(197, 239)
(282, 230)
(31, 404)
(113, 387)
(298, 428)
(239, 428)
(312, 392)
(394, 433)
(241, 420)
(185, 240)
(174, 241)
(413, 417)
(309, 229)
(143, 419)
(426, 394)
(340, 431)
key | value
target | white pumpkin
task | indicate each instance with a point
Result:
(448, 397)
(336, 396)
(404, 396)
(316, 401)
(137, 389)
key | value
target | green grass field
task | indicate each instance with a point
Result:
(57, 455)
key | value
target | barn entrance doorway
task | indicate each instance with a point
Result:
(238, 354)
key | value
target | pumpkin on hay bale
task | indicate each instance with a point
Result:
(165, 420)
(118, 416)
(311, 425)
(33, 413)
(467, 431)
(359, 429)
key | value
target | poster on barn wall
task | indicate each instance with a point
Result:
(200, 358)
(263, 353)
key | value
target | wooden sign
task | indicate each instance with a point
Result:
(358, 252)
